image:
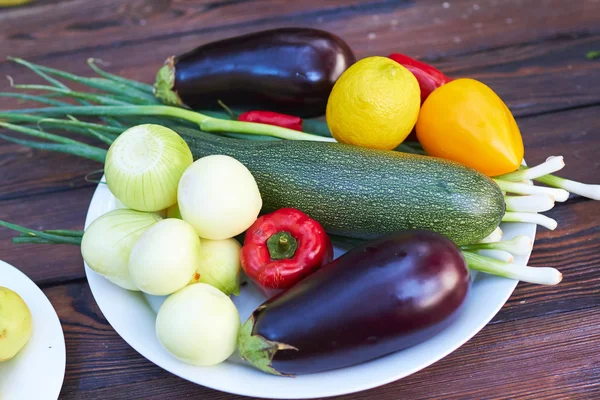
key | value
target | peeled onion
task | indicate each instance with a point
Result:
(220, 265)
(143, 167)
(219, 197)
(108, 241)
(165, 258)
(199, 325)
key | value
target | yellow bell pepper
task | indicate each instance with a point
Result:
(465, 121)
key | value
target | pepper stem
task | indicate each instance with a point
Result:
(282, 245)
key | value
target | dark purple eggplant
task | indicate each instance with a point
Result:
(379, 298)
(289, 70)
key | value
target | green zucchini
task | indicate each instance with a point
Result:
(364, 193)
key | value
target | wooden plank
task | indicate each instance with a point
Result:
(572, 134)
(84, 24)
(535, 78)
(531, 79)
(558, 355)
(27, 172)
(428, 27)
(46, 264)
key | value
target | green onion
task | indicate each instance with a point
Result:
(61, 144)
(531, 203)
(552, 164)
(206, 123)
(539, 275)
(79, 95)
(142, 87)
(520, 245)
(582, 189)
(38, 99)
(533, 218)
(520, 188)
(107, 85)
(50, 237)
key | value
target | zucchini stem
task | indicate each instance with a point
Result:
(539, 275)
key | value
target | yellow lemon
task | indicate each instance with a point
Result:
(375, 103)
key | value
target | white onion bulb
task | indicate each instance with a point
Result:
(219, 197)
(199, 325)
(144, 165)
(108, 241)
(165, 257)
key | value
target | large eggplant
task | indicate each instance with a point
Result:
(290, 70)
(381, 297)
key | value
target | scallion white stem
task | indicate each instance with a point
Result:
(531, 203)
(552, 164)
(519, 245)
(534, 218)
(521, 188)
(582, 189)
(500, 255)
(539, 275)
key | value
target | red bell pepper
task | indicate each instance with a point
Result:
(272, 118)
(429, 78)
(282, 248)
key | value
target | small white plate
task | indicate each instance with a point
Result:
(38, 371)
(132, 315)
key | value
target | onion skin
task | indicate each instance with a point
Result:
(144, 165)
(378, 298)
(107, 243)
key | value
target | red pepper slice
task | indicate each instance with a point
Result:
(429, 78)
(282, 248)
(272, 118)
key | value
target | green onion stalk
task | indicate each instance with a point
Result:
(122, 103)
(520, 245)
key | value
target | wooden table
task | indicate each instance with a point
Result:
(544, 343)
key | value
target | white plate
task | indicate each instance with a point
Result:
(37, 372)
(133, 318)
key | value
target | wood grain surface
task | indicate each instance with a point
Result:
(543, 344)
